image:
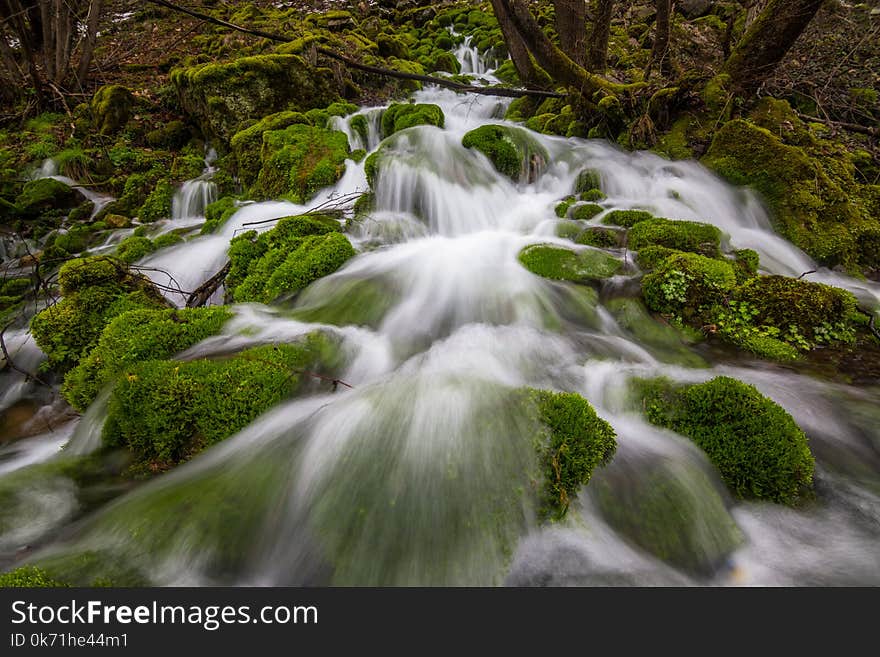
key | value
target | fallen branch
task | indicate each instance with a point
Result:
(812, 271)
(852, 127)
(204, 291)
(11, 363)
(507, 92)
(330, 205)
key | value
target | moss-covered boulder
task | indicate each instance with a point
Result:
(298, 161)
(400, 116)
(759, 450)
(44, 194)
(111, 108)
(286, 259)
(166, 411)
(217, 213)
(158, 203)
(687, 285)
(222, 97)
(133, 248)
(512, 151)
(247, 144)
(95, 290)
(136, 336)
(679, 235)
(669, 343)
(563, 264)
(626, 218)
(585, 211)
(29, 577)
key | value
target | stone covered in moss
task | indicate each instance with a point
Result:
(222, 97)
(247, 144)
(574, 442)
(29, 577)
(679, 235)
(298, 161)
(588, 180)
(284, 260)
(111, 108)
(687, 285)
(669, 343)
(563, 264)
(133, 248)
(585, 211)
(136, 336)
(217, 213)
(626, 218)
(400, 116)
(45, 194)
(758, 449)
(166, 411)
(95, 290)
(512, 151)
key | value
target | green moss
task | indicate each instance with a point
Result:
(400, 116)
(512, 151)
(586, 211)
(679, 235)
(247, 144)
(758, 449)
(95, 290)
(587, 180)
(747, 262)
(666, 341)
(651, 256)
(111, 108)
(564, 264)
(626, 218)
(445, 61)
(217, 213)
(687, 285)
(563, 206)
(166, 411)
(592, 195)
(134, 248)
(603, 238)
(29, 577)
(300, 160)
(573, 442)
(136, 336)
(390, 46)
(166, 240)
(45, 194)
(158, 203)
(284, 260)
(350, 302)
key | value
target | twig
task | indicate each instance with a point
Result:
(871, 317)
(812, 271)
(203, 292)
(854, 127)
(11, 363)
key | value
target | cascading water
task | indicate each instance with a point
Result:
(415, 475)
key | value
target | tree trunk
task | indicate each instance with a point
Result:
(597, 53)
(571, 19)
(519, 54)
(85, 58)
(764, 45)
(753, 10)
(48, 38)
(660, 56)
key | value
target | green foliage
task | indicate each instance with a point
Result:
(687, 284)
(679, 235)
(572, 443)
(626, 218)
(284, 260)
(158, 203)
(400, 116)
(95, 291)
(136, 336)
(111, 108)
(44, 194)
(217, 213)
(651, 256)
(247, 144)
(29, 577)
(510, 150)
(564, 264)
(758, 449)
(166, 411)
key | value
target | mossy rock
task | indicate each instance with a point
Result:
(679, 235)
(600, 237)
(669, 343)
(133, 248)
(247, 144)
(174, 135)
(111, 108)
(563, 264)
(687, 285)
(400, 116)
(446, 61)
(347, 302)
(650, 257)
(222, 97)
(587, 180)
(759, 450)
(44, 194)
(512, 151)
(158, 204)
(137, 336)
(217, 213)
(166, 411)
(673, 510)
(626, 218)
(286, 259)
(586, 211)
(29, 577)
(95, 290)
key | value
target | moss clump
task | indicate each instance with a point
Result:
(687, 285)
(29, 577)
(587, 180)
(563, 206)
(400, 116)
(512, 151)
(166, 240)
(95, 290)
(563, 264)
(111, 108)
(247, 144)
(651, 256)
(669, 343)
(758, 449)
(805, 313)
(603, 238)
(166, 411)
(223, 97)
(626, 218)
(592, 195)
(679, 235)
(573, 441)
(174, 135)
(300, 160)
(217, 213)
(133, 248)
(45, 194)
(586, 211)
(137, 336)
(286, 259)
(747, 262)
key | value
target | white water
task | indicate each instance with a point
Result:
(407, 477)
